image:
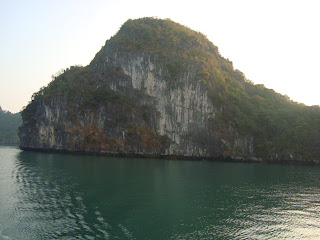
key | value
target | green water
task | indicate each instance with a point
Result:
(56, 196)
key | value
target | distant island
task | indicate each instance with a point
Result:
(160, 89)
(9, 124)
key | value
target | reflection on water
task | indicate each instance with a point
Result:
(56, 196)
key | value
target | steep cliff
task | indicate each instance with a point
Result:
(158, 88)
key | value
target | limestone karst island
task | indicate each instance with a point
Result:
(160, 89)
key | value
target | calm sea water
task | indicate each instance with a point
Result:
(56, 196)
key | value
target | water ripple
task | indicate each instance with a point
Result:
(47, 196)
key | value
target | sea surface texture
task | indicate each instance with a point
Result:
(57, 196)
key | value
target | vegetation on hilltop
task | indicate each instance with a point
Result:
(9, 124)
(277, 123)
(81, 86)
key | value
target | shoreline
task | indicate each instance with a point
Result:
(174, 157)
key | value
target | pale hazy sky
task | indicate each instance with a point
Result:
(273, 42)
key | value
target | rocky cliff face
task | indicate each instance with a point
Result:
(176, 112)
(135, 101)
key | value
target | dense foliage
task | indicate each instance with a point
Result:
(9, 124)
(82, 87)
